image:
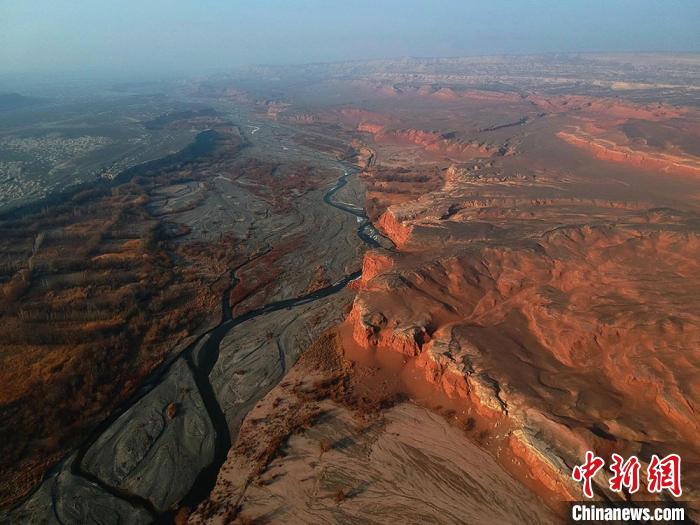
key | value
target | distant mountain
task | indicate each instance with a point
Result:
(15, 101)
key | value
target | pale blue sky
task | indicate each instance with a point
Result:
(190, 36)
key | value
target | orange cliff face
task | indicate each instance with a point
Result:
(374, 263)
(646, 159)
(602, 127)
(550, 298)
(430, 141)
(394, 228)
(551, 337)
(559, 317)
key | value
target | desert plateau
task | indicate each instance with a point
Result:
(371, 291)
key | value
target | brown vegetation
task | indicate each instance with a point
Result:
(91, 302)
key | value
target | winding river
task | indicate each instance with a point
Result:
(201, 357)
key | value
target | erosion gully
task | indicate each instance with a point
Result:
(203, 363)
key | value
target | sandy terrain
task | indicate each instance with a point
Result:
(529, 290)
(544, 289)
(303, 458)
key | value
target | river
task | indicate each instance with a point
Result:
(200, 358)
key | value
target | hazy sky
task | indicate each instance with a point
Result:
(198, 35)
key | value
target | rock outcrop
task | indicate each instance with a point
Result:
(649, 160)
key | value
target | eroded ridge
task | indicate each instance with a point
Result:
(415, 289)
